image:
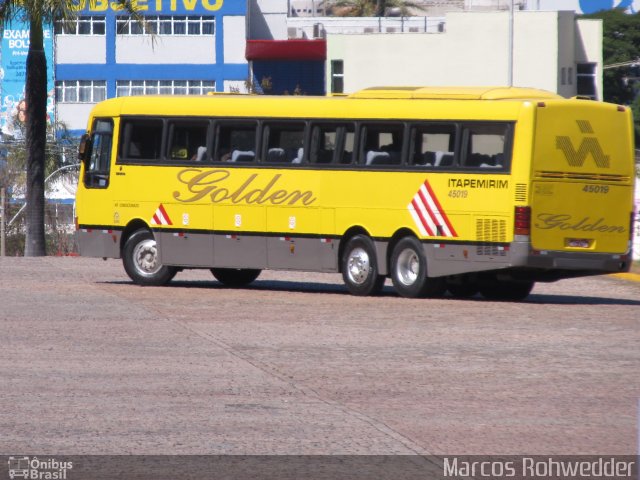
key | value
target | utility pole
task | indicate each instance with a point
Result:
(510, 62)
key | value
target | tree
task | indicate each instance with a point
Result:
(38, 13)
(373, 8)
(621, 43)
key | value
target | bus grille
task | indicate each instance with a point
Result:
(490, 230)
(521, 192)
(601, 177)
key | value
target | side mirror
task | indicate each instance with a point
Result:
(82, 149)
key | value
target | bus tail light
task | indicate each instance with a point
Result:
(522, 221)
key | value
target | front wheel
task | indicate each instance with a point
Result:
(360, 267)
(409, 271)
(235, 277)
(141, 262)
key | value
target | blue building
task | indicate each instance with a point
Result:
(197, 46)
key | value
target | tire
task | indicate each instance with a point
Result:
(140, 259)
(506, 291)
(409, 271)
(360, 267)
(235, 277)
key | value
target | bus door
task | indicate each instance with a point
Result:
(93, 213)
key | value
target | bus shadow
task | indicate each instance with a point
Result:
(578, 300)
(388, 291)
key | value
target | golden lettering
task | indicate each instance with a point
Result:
(79, 5)
(158, 5)
(212, 183)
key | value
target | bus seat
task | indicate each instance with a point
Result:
(299, 156)
(428, 159)
(443, 159)
(134, 150)
(242, 156)
(276, 155)
(375, 157)
(325, 156)
(477, 160)
(202, 151)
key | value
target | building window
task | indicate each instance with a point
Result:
(81, 91)
(586, 80)
(126, 88)
(337, 76)
(167, 25)
(91, 25)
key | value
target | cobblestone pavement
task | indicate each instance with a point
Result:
(92, 364)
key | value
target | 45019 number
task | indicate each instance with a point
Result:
(595, 189)
(458, 193)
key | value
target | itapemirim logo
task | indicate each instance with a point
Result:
(588, 145)
(38, 469)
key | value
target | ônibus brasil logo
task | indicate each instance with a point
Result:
(38, 469)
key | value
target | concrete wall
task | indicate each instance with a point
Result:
(81, 49)
(179, 50)
(267, 19)
(472, 51)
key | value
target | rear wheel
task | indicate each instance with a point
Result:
(235, 277)
(409, 271)
(506, 290)
(360, 267)
(141, 260)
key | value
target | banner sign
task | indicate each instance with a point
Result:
(13, 75)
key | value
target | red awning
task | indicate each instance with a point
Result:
(286, 49)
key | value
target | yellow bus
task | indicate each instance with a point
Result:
(463, 190)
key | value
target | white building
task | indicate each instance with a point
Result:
(553, 50)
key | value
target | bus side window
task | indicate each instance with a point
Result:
(323, 144)
(142, 140)
(382, 144)
(283, 142)
(486, 146)
(432, 145)
(332, 143)
(187, 141)
(347, 144)
(235, 142)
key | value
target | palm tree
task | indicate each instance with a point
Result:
(373, 8)
(38, 13)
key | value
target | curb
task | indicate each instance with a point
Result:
(633, 277)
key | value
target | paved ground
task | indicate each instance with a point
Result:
(91, 364)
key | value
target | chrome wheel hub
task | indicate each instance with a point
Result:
(408, 267)
(145, 258)
(358, 266)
